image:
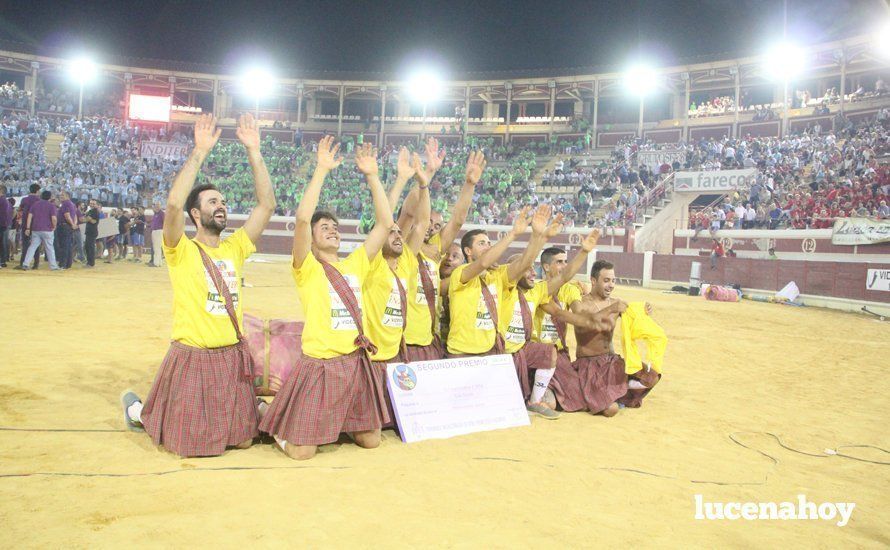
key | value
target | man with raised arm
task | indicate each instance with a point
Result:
(520, 305)
(391, 283)
(440, 235)
(333, 388)
(475, 289)
(202, 399)
(596, 381)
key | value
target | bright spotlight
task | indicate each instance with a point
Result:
(257, 82)
(83, 69)
(640, 80)
(882, 41)
(784, 61)
(424, 87)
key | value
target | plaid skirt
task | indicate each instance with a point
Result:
(380, 370)
(590, 383)
(431, 352)
(201, 401)
(532, 356)
(324, 398)
(633, 399)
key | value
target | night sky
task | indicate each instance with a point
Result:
(457, 36)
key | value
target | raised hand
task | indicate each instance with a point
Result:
(405, 169)
(520, 224)
(422, 176)
(327, 154)
(475, 167)
(366, 159)
(206, 133)
(589, 242)
(555, 226)
(434, 156)
(248, 132)
(540, 218)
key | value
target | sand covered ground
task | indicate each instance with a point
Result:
(815, 378)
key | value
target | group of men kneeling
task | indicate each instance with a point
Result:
(406, 294)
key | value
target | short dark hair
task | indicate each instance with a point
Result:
(34, 188)
(598, 266)
(467, 241)
(194, 198)
(549, 253)
(322, 215)
(46, 195)
(11, 200)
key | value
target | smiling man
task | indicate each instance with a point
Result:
(202, 399)
(333, 388)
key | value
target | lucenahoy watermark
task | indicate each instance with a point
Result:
(802, 509)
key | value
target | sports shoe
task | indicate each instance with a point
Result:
(542, 410)
(549, 399)
(127, 399)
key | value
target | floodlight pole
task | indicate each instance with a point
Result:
(423, 129)
(80, 101)
(256, 99)
(785, 107)
(640, 126)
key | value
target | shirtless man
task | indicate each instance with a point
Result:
(596, 380)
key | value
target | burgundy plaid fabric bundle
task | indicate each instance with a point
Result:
(526, 314)
(426, 281)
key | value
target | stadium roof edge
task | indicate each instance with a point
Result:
(10, 48)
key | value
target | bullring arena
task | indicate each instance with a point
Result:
(761, 401)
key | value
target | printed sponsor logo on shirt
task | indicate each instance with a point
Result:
(392, 313)
(216, 304)
(340, 317)
(483, 318)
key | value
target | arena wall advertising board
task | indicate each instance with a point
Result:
(717, 180)
(163, 149)
(856, 231)
(878, 279)
(653, 159)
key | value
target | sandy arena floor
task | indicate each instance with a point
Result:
(816, 378)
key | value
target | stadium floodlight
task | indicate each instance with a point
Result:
(83, 70)
(882, 40)
(424, 87)
(640, 80)
(258, 83)
(785, 60)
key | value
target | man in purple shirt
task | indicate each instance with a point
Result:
(5, 223)
(24, 206)
(40, 224)
(67, 225)
(157, 236)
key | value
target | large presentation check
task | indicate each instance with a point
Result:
(449, 397)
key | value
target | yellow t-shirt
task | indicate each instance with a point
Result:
(382, 304)
(199, 310)
(545, 328)
(472, 329)
(436, 240)
(329, 330)
(419, 332)
(510, 313)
